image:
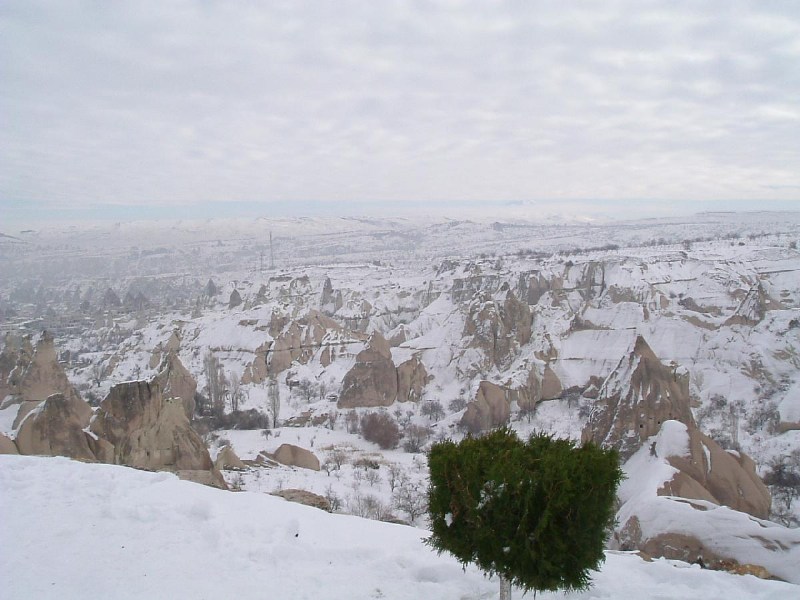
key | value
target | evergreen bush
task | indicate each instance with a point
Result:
(535, 513)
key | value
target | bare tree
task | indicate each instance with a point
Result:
(274, 396)
(216, 384)
(236, 393)
(410, 497)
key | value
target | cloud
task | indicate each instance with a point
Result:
(174, 103)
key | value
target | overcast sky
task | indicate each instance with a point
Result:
(147, 109)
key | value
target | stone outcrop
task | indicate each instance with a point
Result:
(56, 428)
(175, 381)
(304, 497)
(412, 376)
(331, 300)
(498, 325)
(686, 498)
(172, 345)
(490, 408)
(235, 299)
(15, 357)
(635, 399)
(40, 377)
(296, 340)
(753, 307)
(708, 472)
(227, 460)
(7, 445)
(137, 427)
(373, 379)
(551, 384)
(295, 456)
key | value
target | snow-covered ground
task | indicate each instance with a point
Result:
(82, 531)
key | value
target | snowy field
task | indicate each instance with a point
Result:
(74, 530)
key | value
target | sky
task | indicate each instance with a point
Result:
(152, 109)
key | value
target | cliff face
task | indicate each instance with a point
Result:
(56, 428)
(36, 375)
(634, 401)
(373, 379)
(137, 427)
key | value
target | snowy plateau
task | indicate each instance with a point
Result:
(675, 340)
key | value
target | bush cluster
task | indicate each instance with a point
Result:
(380, 428)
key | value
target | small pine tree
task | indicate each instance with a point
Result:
(534, 513)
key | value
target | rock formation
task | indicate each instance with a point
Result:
(498, 325)
(298, 340)
(56, 428)
(411, 380)
(135, 426)
(15, 357)
(490, 408)
(304, 497)
(636, 399)
(373, 379)
(227, 460)
(235, 299)
(7, 445)
(295, 456)
(41, 376)
(175, 381)
(708, 472)
(680, 498)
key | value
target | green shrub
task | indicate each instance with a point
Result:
(535, 513)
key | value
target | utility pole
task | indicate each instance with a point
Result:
(271, 254)
(261, 262)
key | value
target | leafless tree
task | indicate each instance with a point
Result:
(216, 384)
(410, 497)
(274, 396)
(235, 391)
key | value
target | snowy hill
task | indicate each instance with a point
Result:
(74, 530)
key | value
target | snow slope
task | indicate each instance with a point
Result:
(74, 530)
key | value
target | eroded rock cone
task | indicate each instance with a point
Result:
(56, 428)
(373, 379)
(634, 401)
(175, 381)
(137, 427)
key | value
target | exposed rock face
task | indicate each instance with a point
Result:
(532, 286)
(551, 385)
(15, 357)
(7, 445)
(331, 299)
(753, 307)
(135, 426)
(640, 395)
(708, 472)
(56, 428)
(41, 376)
(297, 340)
(294, 456)
(679, 502)
(228, 460)
(373, 379)
(235, 299)
(489, 409)
(173, 345)
(498, 326)
(304, 497)
(175, 381)
(411, 379)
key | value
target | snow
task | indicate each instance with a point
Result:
(75, 530)
(725, 531)
(789, 407)
(7, 416)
